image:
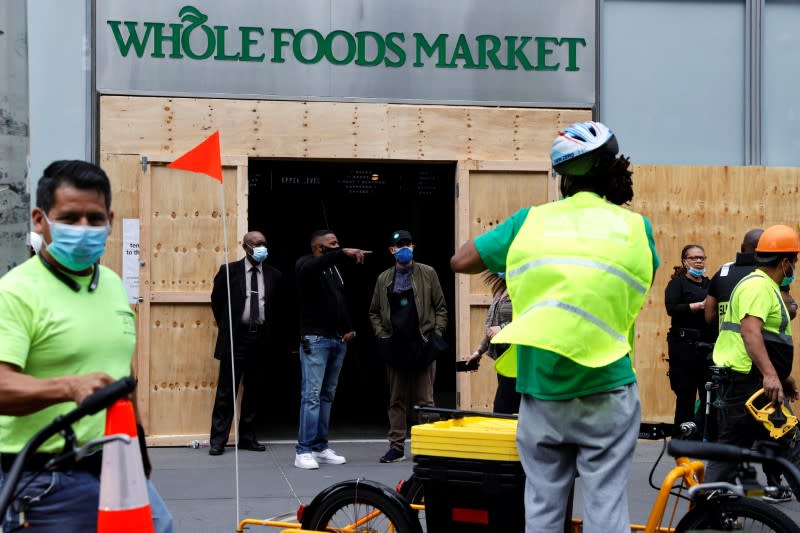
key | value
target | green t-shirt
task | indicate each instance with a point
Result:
(541, 373)
(756, 297)
(49, 330)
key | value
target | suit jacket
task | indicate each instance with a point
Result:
(219, 300)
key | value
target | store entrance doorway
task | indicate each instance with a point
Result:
(363, 203)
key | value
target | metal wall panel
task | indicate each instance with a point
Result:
(450, 51)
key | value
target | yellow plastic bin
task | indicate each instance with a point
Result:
(473, 481)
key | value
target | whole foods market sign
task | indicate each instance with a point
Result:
(450, 51)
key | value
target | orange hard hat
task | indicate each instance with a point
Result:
(778, 238)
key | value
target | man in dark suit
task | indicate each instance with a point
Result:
(254, 285)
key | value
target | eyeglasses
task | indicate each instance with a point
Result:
(696, 258)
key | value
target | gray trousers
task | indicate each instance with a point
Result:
(593, 436)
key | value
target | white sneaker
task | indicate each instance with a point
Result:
(305, 461)
(328, 456)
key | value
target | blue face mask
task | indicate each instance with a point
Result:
(787, 280)
(260, 253)
(697, 272)
(404, 255)
(76, 247)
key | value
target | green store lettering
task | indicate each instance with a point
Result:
(192, 38)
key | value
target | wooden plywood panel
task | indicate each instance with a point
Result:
(183, 372)
(711, 206)
(159, 126)
(124, 172)
(427, 132)
(780, 196)
(186, 228)
(482, 383)
(254, 128)
(494, 196)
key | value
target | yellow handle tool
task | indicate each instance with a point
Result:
(779, 422)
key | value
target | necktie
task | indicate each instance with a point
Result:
(253, 296)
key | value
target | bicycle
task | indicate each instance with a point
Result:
(95, 402)
(724, 506)
(361, 505)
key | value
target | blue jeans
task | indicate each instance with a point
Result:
(67, 502)
(320, 370)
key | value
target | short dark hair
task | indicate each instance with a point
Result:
(319, 233)
(76, 173)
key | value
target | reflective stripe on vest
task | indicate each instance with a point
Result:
(635, 285)
(581, 313)
(781, 337)
(578, 273)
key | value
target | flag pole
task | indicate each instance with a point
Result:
(235, 423)
(205, 158)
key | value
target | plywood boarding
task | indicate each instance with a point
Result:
(183, 374)
(125, 175)
(185, 249)
(187, 233)
(257, 128)
(162, 128)
(711, 206)
(495, 195)
(483, 383)
(493, 190)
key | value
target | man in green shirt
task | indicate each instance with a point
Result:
(67, 330)
(578, 272)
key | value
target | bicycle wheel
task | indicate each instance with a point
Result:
(360, 506)
(742, 514)
(413, 491)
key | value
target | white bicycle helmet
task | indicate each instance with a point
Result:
(581, 146)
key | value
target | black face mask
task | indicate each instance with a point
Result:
(326, 250)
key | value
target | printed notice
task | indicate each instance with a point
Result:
(130, 258)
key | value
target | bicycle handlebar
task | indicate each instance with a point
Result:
(716, 451)
(733, 454)
(100, 399)
(97, 401)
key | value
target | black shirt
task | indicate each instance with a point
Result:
(680, 292)
(406, 339)
(726, 278)
(320, 294)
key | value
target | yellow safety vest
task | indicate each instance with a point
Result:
(578, 273)
(729, 349)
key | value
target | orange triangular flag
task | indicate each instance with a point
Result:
(203, 158)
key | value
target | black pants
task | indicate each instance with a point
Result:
(249, 354)
(688, 373)
(738, 427)
(506, 399)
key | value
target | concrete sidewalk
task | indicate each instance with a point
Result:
(200, 490)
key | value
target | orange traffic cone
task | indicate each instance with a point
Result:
(124, 503)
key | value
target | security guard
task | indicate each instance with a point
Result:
(755, 343)
(726, 278)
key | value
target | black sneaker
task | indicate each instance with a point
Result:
(393, 456)
(777, 494)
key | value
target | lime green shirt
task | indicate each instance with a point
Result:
(541, 373)
(758, 297)
(49, 330)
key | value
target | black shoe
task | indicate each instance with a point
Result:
(252, 446)
(393, 456)
(216, 450)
